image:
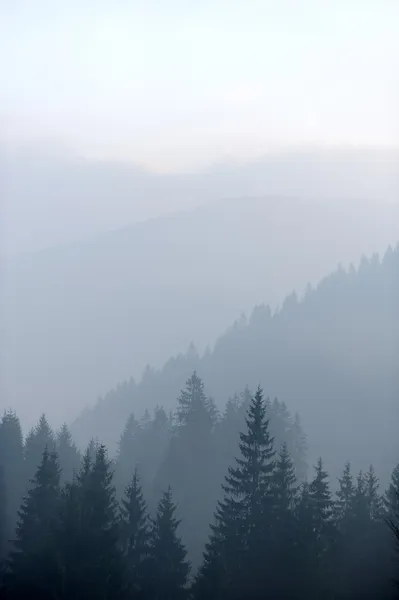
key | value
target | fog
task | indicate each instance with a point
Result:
(199, 300)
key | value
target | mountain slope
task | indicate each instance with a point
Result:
(78, 319)
(333, 356)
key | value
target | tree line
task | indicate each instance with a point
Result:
(92, 527)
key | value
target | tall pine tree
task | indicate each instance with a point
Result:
(241, 539)
(34, 562)
(167, 566)
(134, 535)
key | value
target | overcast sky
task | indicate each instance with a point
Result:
(179, 84)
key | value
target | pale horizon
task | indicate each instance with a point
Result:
(184, 87)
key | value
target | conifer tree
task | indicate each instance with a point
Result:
(12, 463)
(345, 494)
(297, 447)
(241, 539)
(37, 440)
(92, 560)
(284, 525)
(3, 513)
(186, 466)
(320, 506)
(168, 568)
(134, 534)
(34, 566)
(68, 454)
(126, 454)
(373, 498)
(391, 499)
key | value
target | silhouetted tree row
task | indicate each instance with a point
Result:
(273, 532)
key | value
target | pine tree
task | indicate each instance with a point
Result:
(320, 507)
(68, 454)
(134, 534)
(3, 514)
(345, 494)
(12, 463)
(187, 465)
(37, 440)
(373, 498)
(297, 447)
(391, 499)
(34, 566)
(168, 568)
(284, 525)
(194, 408)
(92, 561)
(242, 534)
(284, 484)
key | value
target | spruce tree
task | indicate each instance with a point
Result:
(284, 525)
(322, 538)
(391, 499)
(345, 494)
(373, 498)
(188, 465)
(134, 534)
(37, 440)
(297, 447)
(167, 566)
(12, 463)
(241, 538)
(3, 514)
(34, 570)
(92, 560)
(68, 454)
(126, 454)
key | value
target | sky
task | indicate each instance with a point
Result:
(176, 85)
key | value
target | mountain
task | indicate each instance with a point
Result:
(76, 319)
(332, 355)
(50, 196)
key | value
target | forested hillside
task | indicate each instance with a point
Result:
(76, 320)
(332, 356)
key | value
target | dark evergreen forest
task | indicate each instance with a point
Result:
(198, 503)
(194, 483)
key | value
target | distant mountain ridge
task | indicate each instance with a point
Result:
(333, 356)
(77, 319)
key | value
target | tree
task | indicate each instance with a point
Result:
(39, 438)
(297, 447)
(284, 527)
(392, 506)
(12, 463)
(3, 513)
(167, 565)
(68, 454)
(34, 567)
(391, 499)
(316, 534)
(127, 454)
(188, 465)
(241, 537)
(92, 561)
(134, 534)
(345, 495)
(372, 496)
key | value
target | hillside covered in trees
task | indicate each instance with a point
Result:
(75, 320)
(195, 505)
(332, 356)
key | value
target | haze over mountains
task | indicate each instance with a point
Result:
(51, 196)
(78, 319)
(331, 356)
